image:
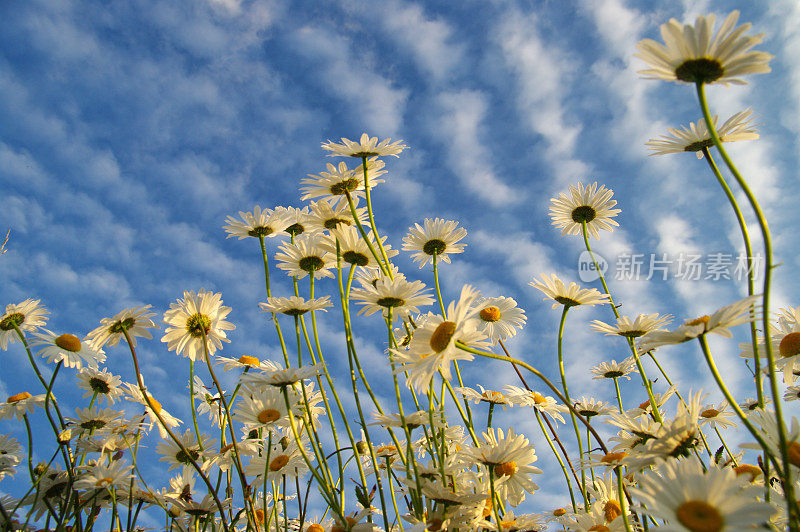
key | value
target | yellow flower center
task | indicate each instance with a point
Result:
(278, 462)
(18, 397)
(268, 416)
(539, 399)
(702, 320)
(711, 412)
(613, 458)
(490, 314)
(104, 482)
(492, 396)
(790, 345)
(197, 324)
(558, 512)
(747, 469)
(69, 342)
(385, 450)
(508, 525)
(441, 337)
(259, 515)
(434, 524)
(612, 510)
(506, 469)
(645, 405)
(699, 516)
(315, 528)
(341, 528)
(249, 361)
(793, 450)
(155, 405)
(600, 528)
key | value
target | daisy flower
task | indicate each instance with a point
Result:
(366, 147)
(296, 219)
(295, 305)
(693, 54)
(485, 396)
(95, 420)
(134, 320)
(114, 475)
(718, 415)
(499, 317)
(792, 393)
(354, 250)
(545, 404)
(189, 450)
(265, 408)
(688, 498)
(278, 461)
(106, 385)
(153, 409)
(433, 346)
(718, 323)
(258, 223)
(435, 237)
(584, 204)
(20, 404)
(569, 296)
(589, 407)
(192, 317)
(307, 255)
(325, 217)
(281, 377)
(508, 455)
(398, 294)
(11, 455)
(244, 362)
(334, 184)
(643, 324)
(413, 420)
(67, 348)
(614, 369)
(695, 136)
(27, 315)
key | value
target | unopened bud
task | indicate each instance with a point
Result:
(362, 447)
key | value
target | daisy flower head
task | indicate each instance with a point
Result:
(695, 137)
(435, 238)
(134, 320)
(326, 217)
(584, 205)
(27, 315)
(20, 404)
(296, 219)
(354, 250)
(643, 324)
(688, 498)
(67, 348)
(483, 396)
(295, 305)
(433, 346)
(614, 369)
(741, 311)
(194, 317)
(569, 296)
(590, 407)
(306, 256)
(545, 404)
(499, 318)
(399, 295)
(153, 409)
(189, 450)
(101, 475)
(281, 377)
(259, 223)
(694, 54)
(264, 408)
(366, 147)
(718, 415)
(96, 420)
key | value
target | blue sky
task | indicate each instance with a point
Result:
(128, 132)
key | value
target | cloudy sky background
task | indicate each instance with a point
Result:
(129, 132)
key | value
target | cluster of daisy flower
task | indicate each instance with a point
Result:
(426, 462)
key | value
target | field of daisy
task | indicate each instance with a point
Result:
(295, 446)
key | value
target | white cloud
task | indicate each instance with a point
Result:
(460, 121)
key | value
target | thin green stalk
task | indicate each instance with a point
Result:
(568, 400)
(748, 250)
(646, 381)
(436, 284)
(560, 461)
(265, 260)
(191, 404)
(765, 234)
(619, 395)
(369, 212)
(360, 227)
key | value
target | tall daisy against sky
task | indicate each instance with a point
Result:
(694, 54)
(588, 205)
(365, 147)
(195, 316)
(571, 295)
(695, 137)
(437, 238)
(135, 321)
(260, 222)
(27, 315)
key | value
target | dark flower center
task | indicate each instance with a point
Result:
(699, 145)
(347, 185)
(567, 302)
(93, 424)
(186, 457)
(434, 247)
(99, 385)
(333, 223)
(7, 323)
(197, 324)
(261, 231)
(123, 325)
(612, 374)
(584, 213)
(310, 264)
(354, 257)
(295, 229)
(390, 302)
(701, 70)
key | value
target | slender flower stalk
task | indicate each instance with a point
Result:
(767, 239)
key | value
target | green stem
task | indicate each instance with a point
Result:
(191, 403)
(619, 395)
(369, 213)
(793, 511)
(436, 284)
(560, 461)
